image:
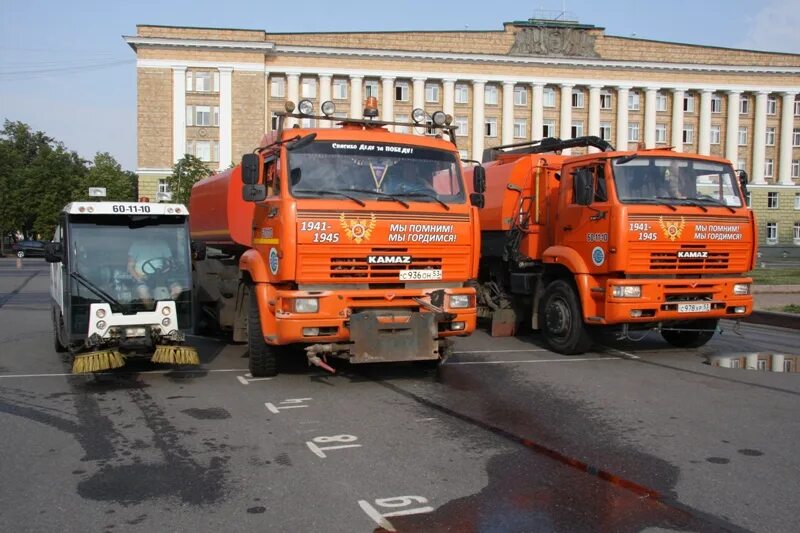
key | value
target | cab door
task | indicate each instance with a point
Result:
(583, 217)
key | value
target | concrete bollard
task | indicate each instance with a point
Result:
(752, 361)
(777, 362)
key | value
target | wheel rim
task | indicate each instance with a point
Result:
(20, 254)
(558, 317)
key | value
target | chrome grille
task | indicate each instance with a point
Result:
(670, 261)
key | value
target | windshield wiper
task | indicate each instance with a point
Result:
(383, 195)
(324, 191)
(713, 200)
(650, 201)
(685, 201)
(625, 159)
(426, 195)
(96, 290)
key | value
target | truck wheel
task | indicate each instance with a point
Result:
(691, 339)
(21, 254)
(263, 357)
(60, 348)
(561, 320)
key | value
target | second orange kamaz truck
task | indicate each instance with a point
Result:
(351, 241)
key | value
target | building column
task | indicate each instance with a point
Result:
(677, 119)
(418, 99)
(594, 113)
(537, 111)
(622, 118)
(266, 102)
(565, 129)
(178, 113)
(356, 98)
(387, 106)
(759, 138)
(650, 117)
(507, 135)
(449, 96)
(732, 128)
(225, 118)
(478, 118)
(324, 95)
(704, 128)
(292, 95)
(787, 127)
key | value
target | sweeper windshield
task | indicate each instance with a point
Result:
(129, 262)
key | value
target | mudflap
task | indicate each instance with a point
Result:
(390, 336)
(504, 323)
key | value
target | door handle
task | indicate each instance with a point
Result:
(567, 228)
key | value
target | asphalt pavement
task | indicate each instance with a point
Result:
(505, 436)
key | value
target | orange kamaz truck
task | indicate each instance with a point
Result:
(352, 241)
(642, 240)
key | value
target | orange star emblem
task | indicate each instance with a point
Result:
(357, 229)
(672, 228)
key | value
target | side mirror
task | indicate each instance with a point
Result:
(476, 199)
(584, 187)
(254, 193)
(251, 169)
(198, 250)
(54, 252)
(479, 179)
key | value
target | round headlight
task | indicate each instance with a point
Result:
(328, 108)
(288, 106)
(438, 118)
(165, 310)
(166, 322)
(101, 313)
(305, 107)
(448, 119)
(418, 115)
(101, 324)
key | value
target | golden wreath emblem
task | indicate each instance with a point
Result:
(672, 228)
(358, 229)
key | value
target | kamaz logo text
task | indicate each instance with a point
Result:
(389, 259)
(692, 255)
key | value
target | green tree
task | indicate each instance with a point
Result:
(185, 173)
(106, 172)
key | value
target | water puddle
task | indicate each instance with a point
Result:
(759, 361)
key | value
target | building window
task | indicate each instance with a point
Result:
(577, 98)
(634, 101)
(462, 93)
(274, 119)
(797, 108)
(772, 200)
(795, 169)
(748, 199)
(796, 233)
(307, 122)
(402, 118)
(661, 133)
(462, 123)
(203, 115)
(742, 136)
(490, 129)
(768, 168)
(716, 104)
(340, 89)
(431, 93)
(163, 186)
(520, 95)
(772, 106)
(308, 88)
(740, 164)
(400, 91)
(371, 89)
(548, 128)
(206, 151)
(744, 106)
(633, 132)
(688, 134)
(715, 134)
(463, 154)
(277, 87)
(577, 129)
(605, 131)
(796, 137)
(688, 103)
(520, 128)
(770, 137)
(549, 97)
(661, 102)
(203, 82)
(797, 201)
(490, 93)
(772, 232)
(605, 100)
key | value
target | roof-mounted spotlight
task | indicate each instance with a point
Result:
(439, 118)
(371, 107)
(448, 119)
(418, 115)
(328, 108)
(289, 106)
(305, 107)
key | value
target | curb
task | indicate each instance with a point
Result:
(770, 318)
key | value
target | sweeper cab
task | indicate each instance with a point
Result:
(121, 284)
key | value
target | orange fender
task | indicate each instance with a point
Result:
(253, 263)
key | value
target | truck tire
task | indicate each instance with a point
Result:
(21, 254)
(59, 348)
(692, 339)
(561, 319)
(262, 357)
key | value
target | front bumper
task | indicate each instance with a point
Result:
(337, 307)
(105, 325)
(660, 300)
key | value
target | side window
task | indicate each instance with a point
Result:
(600, 189)
(272, 177)
(592, 178)
(582, 179)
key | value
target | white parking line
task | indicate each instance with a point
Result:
(2, 376)
(564, 360)
(503, 351)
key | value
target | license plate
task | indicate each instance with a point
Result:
(694, 308)
(135, 332)
(420, 275)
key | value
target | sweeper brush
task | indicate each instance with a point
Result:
(97, 361)
(176, 355)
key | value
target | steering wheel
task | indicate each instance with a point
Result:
(151, 266)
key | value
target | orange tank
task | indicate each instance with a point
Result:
(220, 224)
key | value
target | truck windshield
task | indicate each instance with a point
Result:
(130, 262)
(383, 171)
(675, 181)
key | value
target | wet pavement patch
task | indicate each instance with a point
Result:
(751, 453)
(718, 460)
(212, 413)
(257, 510)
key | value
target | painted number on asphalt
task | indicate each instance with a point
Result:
(248, 378)
(399, 505)
(292, 403)
(313, 444)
